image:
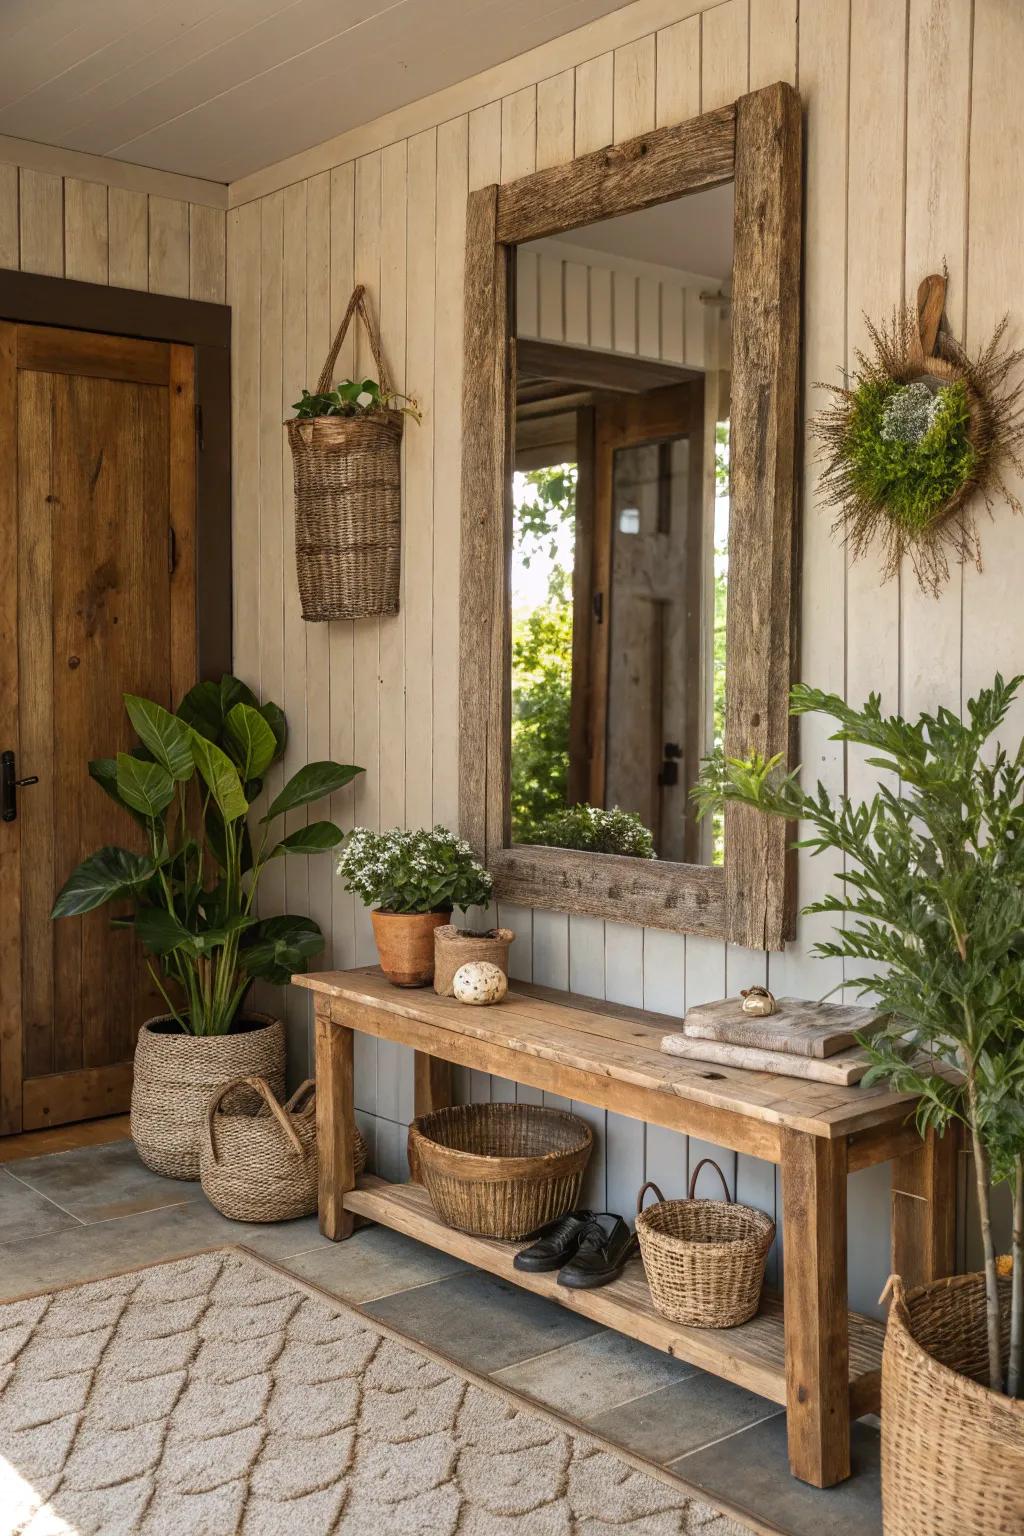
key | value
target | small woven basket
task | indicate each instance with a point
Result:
(261, 1165)
(952, 1449)
(500, 1170)
(704, 1259)
(454, 948)
(348, 497)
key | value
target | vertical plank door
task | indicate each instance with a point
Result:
(97, 599)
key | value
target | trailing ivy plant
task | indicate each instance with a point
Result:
(355, 397)
(191, 880)
(931, 901)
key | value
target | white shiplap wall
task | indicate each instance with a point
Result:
(910, 124)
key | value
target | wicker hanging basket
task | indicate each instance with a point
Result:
(704, 1259)
(500, 1170)
(261, 1165)
(952, 1449)
(348, 497)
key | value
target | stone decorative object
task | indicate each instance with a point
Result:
(758, 1002)
(455, 947)
(479, 982)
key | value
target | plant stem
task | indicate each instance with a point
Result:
(1015, 1374)
(981, 1175)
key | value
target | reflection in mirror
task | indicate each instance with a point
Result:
(619, 557)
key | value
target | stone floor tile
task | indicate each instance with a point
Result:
(25, 1214)
(594, 1375)
(681, 1417)
(373, 1263)
(101, 1183)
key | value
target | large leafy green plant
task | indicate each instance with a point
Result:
(931, 899)
(189, 785)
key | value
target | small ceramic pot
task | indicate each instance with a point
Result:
(405, 945)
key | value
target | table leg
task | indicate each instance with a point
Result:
(433, 1084)
(335, 1122)
(816, 1318)
(924, 1209)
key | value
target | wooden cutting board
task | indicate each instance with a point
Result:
(843, 1069)
(797, 1028)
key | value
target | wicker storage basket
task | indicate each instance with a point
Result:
(175, 1074)
(453, 947)
(952, 1449)
(261, 1164)
(704, 1259)
(500, 1170)
(348, 498)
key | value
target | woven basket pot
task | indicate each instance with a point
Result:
(454, 947)
(952, 1449)
(261, 1164)
(500, 1170)
(405, 945)
(348, 498)
(176, 1073)
(704, 1259)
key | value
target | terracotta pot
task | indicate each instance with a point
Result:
(177, 1074)
(454, 947)
(405, 944)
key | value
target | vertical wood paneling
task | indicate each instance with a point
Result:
(485, 146)
(519, 134)
(128, 225)
(9, 217)
(678, 72)
(773, 41)
(85, 231)
(244, 298)
(169, 246)
(595, 103)
(723, 54)
(635, 71)
(556, 105)
(206, 253)
(41, 210)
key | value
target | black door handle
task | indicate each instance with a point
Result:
(9, 786)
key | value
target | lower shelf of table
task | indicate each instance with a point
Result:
(752, 1355)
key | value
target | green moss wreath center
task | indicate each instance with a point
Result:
(892, 463)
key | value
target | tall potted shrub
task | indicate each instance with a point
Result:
(188, 889)
(931, 899)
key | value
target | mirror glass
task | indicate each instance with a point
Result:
(618, 563)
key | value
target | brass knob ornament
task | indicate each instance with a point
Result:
(758, 1002)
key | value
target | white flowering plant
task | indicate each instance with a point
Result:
(355, 397)
(420, 871)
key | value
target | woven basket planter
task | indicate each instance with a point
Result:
(176, 1073)
(453, 947)
(500, 1170)
(348, 498)
(952, 1449)
(261, 1165)
(704, 1259)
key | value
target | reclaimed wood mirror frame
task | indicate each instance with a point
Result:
(755, 143)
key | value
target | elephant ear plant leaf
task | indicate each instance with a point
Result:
(188, 786)
(931, 903)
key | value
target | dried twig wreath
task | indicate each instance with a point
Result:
(923, 430)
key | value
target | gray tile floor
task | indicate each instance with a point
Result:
(81, 1214)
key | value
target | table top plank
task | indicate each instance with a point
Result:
(618, 1043)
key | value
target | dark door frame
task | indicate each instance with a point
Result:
(30, 299)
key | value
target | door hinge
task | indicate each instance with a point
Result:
(199, 426)
(598, 606)
(172, 550)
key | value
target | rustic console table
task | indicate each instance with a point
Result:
(812, 1355)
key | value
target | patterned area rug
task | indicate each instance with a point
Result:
(217, 1394)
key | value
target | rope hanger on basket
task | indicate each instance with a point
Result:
(357, 303)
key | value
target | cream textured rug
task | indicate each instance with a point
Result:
(217, 1394)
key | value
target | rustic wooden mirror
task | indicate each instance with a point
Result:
(629, 448)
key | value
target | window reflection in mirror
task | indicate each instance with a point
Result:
(619, 557)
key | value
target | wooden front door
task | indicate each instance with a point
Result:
(97, 599)
(646, 656)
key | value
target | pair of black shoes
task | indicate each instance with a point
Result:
(589, 1248)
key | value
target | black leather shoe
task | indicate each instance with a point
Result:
(555, 1243)
(603, 1248)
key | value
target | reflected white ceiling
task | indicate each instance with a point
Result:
(694, 233)
(219, 88)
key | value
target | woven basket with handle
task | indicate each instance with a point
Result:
(348, 497)
(262, 1165)
(704, 1259)
(500, 1170)
(952, 1449)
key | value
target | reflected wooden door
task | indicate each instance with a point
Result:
(646, 656)
(97, 599)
